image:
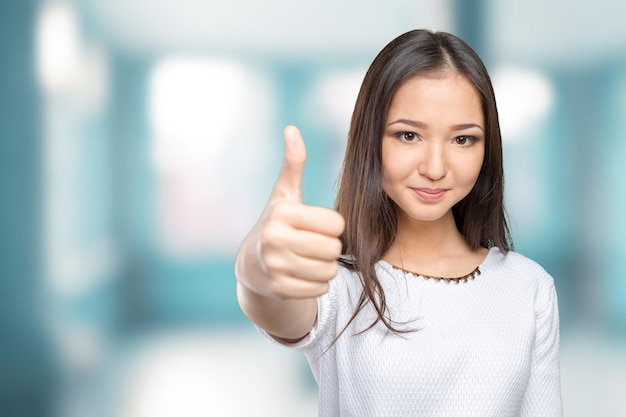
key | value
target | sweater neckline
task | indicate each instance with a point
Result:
(477, 271)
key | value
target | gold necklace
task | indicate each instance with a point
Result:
(456, 280)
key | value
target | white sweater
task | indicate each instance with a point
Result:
(486, 347)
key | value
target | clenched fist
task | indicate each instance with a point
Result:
(292, 251)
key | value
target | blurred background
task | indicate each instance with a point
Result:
(139, 140)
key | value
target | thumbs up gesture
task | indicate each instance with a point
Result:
(292, 251)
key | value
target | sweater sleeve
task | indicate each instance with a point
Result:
(543, 393)
(322, 329)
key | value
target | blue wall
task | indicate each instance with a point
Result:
(26, 366)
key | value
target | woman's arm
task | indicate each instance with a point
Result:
(543, 394)
(290, 255)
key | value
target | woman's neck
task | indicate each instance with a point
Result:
(434, 248)
(430, 239)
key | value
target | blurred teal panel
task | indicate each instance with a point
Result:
(193, 293)
(27, 368)
(611, 229)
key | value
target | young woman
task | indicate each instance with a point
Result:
(408, 300)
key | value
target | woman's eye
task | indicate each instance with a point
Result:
(464, 140)
(408, 136)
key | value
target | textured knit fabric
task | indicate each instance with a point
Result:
(487, 347)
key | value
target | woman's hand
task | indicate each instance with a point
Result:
(291, 253)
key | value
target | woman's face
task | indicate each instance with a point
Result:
(433, 146)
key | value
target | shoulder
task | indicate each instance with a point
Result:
(522, 270)
(516, 264)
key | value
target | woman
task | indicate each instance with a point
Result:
(407, 300)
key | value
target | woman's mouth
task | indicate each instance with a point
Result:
(430, 194)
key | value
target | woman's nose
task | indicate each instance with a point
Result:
(433, 163)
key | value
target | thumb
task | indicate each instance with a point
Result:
(289, 183)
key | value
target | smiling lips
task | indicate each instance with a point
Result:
(429, 194)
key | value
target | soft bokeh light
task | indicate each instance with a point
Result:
(198, 374)
(524, 97)
(58, 46)
(209, 123)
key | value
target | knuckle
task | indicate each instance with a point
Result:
(273, 263)
(268, 234)
(332, 269)
(321, 289)
(278, 289)
(282, 209)
(271, 237)
(338, 223)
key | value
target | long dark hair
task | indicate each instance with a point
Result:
(371, 221)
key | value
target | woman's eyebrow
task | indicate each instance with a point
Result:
(422, 125)
(464, 126)
(415, 123)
